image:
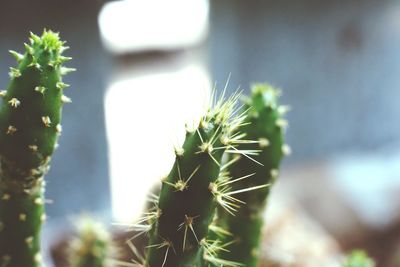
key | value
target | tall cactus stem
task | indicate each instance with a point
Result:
(266, 125)
(179, 223)
(29, 128)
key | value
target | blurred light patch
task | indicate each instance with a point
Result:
(145, 118)
(371, 184)
(138, 25)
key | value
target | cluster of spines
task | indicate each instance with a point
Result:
(92, 245)
(29, 127)
(265, 125)
(179, 223)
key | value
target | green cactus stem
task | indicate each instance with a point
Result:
(29, 127)
(358, 258)
(179, 224)
(265, 124)
(92, 246)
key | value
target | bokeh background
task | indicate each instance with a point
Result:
(145, 67)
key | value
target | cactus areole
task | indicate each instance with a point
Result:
(29, 127)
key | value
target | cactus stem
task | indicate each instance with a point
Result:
(25, 155)
(194, 176)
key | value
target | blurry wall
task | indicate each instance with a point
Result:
(78, 179)
(337, 62)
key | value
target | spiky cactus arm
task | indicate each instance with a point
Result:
(265, 124)
(358, 258)
(29, 128)
(187, 204)
(92, 246)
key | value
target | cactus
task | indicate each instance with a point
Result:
(358, 258)
(92, 246)
(179, 223)
(265, 124)
(29, 128)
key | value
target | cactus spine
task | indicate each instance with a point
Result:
(264, 123)
(179, 224)
(92, 246)
(29, 127)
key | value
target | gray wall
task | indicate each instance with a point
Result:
(338, 63)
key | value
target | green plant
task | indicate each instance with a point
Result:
(29, 127)
(179, 223)
(265, 124)
(92, 245)
(358, 258)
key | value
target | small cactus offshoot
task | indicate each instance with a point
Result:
(29, 128)
(265, 125)
(358, 258)
(92, 245)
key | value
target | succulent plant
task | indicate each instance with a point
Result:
(266, 125)
(92, 245)
(29, 127)
(358, 258)
(179, 223)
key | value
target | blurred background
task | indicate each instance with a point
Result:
(146, 67)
